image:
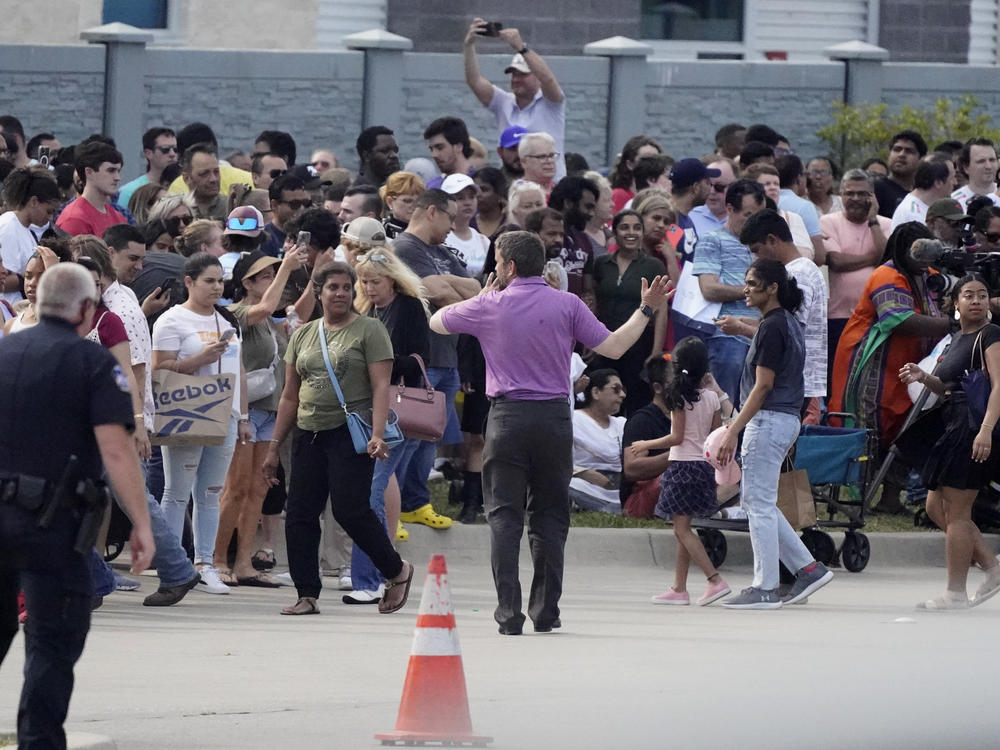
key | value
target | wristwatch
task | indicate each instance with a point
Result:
(646, 310)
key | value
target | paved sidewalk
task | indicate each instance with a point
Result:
(857, 666)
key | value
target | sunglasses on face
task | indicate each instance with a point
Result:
(297, 204)
(719, 187)
(247, 224)
(276, 173)
(618, 389)
(174, 223)
(993, 237)
(167, 149)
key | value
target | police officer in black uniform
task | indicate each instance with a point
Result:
(65, 412)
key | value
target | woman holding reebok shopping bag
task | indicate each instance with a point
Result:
(771, 390)
(964, 458)
(323, 453)
(194, 339)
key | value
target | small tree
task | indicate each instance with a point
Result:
(858, 133)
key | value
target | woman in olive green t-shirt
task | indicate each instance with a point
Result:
(324, 462)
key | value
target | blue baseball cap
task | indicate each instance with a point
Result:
(512, 136)
(687, 172)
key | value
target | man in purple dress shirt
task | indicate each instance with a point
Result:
(527, 331)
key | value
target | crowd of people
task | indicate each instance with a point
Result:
(799, 289)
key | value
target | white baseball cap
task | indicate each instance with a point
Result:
(454, 184)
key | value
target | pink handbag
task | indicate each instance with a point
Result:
(421, 411)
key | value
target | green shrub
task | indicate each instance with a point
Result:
(858, 133)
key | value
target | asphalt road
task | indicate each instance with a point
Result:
(856, 667)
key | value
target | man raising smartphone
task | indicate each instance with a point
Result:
(535, 100)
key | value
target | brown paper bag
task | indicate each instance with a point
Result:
(795, 499)
(191, 409)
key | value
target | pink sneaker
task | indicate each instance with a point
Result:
(713, 592)
(672, 597)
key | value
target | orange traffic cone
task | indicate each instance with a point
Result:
(434, 706)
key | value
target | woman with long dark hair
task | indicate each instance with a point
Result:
(188, 338)
(771, 392)
(896, 321)
(32, 197)
(963, 459)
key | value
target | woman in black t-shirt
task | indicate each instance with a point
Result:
(771, 391)
(963, 459)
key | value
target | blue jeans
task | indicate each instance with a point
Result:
(726, 355)
(170, 560)
(364, 575)
(202, 468)
(766, 441)
(413, 478)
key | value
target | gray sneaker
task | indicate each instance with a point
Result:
(807, 583)
(754, 598)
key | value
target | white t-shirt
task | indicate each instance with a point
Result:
(473, 250)
(595, 447)
(540, 116)
(812, 315)
(185, 332)
(800, 237)
(17, 245)
(911, 208)
(122, 302)
(965, 194)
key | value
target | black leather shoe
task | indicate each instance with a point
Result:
(168, 595)
(510, 629)
(555, 624)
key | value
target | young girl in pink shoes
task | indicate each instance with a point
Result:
(687, 489)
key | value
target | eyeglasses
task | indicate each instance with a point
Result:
(543, 157)
(373, 258)
(174, 223)
(167, 149)
(247, 224)
(617, 389)
(276, 173)
(992, 237)
(819, 173)
(719, 187)
(297, 204)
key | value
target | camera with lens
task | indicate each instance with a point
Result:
(952, 263)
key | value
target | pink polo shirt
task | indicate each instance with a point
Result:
(527, 332)
(843, 236)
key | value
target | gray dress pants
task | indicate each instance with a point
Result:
(528, 463)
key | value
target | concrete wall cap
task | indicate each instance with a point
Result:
(617, 46)
(856, 50)
(116, 32)
(377, 39)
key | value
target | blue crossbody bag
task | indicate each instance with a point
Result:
(359, 427)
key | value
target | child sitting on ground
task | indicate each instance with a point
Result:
(687, 489)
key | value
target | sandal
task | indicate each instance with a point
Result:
(227, 577)
(306, 605)
(426, 515)
(945, 603)
(263, 580)
(263, 559)
(396, 593)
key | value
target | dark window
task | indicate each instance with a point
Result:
(144, 14)
(695, 20)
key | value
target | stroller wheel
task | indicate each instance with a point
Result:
(820, 545)
(715, 545)
(855, 552)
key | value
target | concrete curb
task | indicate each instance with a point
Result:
(655, 547)
(74, 741)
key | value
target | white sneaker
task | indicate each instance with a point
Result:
(210, 582)
(285, 579)
(345, 580)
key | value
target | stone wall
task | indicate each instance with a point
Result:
(319, 96)
(55, 88)
(688, 102)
